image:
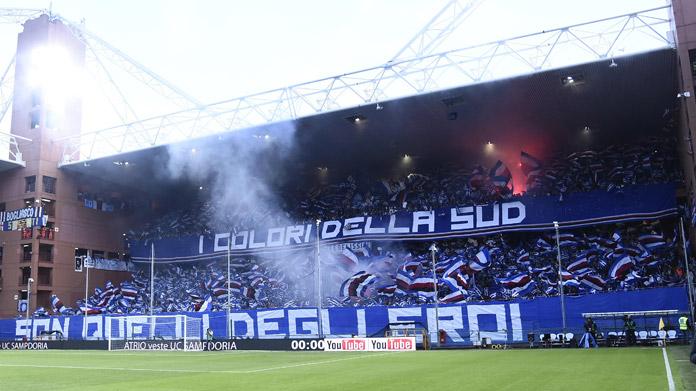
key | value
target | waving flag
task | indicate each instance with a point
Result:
(220, 292)
(567, 239)
(515, 281)
(616, 237)
(57, 305)
(582, 272)
(524, 290)
(454, 268)
(571, 283)
(388, 290)
(580, 263)
(652, 241)
(442, 266)
(205, 305)
(357, 284)
(90, 310)
(500, 174)
(523, 257)
(565, 276)
(594, 282)
(482, 261)
(454, 297)
(403, 280)
(249, 292)
(413, 267)
(423, 284)
(531, 166)
(544, 269)
(215, 282)
(541, 243)
(347, 259)
(457, 281)
(621, 267)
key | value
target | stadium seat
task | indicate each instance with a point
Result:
(643, 335)
(652, 334)
(662, 334)
(569, 336)
(672, 334)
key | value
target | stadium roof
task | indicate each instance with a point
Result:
(617, 100)
(9, 149)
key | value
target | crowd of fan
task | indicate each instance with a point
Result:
(609, 169)
(500, 267)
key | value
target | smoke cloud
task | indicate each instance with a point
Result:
(239, 176)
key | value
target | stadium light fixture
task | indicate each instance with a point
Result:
(53, 71)
(684, 94)
(574, 79)
(356, 118)
(586, 130)
(613, 64)
(379, 107)
(200, 187)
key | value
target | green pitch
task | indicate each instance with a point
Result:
(549, 369)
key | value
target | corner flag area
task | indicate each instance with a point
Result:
(547, 369)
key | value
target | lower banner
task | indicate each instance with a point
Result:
(53, 345)
(463, 324)
(305, 344)
(394, 344)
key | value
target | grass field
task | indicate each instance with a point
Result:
(550, 369)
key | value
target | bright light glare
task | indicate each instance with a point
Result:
(53, 71)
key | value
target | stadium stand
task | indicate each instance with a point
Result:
(497, 267)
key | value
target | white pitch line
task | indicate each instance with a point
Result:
(142, 353)
(317, 362)
(670, 380)
(192, 370)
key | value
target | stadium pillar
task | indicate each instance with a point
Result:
(227, 319)
(560, 276)
(152, 277)
(29, 281)
(689, 282)
(84, 316)
(433, 250)
(318, 283)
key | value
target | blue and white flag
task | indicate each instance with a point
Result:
(500, 174)
(621, 267)
(482, 261)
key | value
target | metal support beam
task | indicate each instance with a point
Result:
(626, 34)
(7, 88)
(441, 26)
(19, 15)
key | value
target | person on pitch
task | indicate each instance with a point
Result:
(630, 330)
(684, 327)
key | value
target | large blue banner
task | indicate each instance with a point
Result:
(526, 213)
(464, 324)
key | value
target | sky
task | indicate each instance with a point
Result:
(219, 49)
(222, 49)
